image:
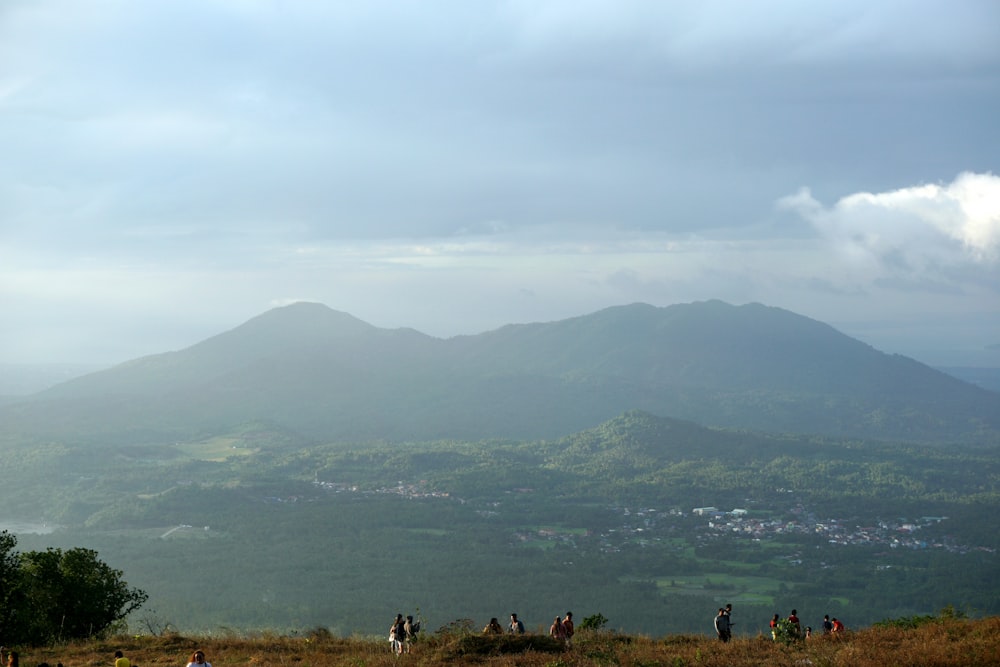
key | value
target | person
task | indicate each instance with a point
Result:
(493, 628)
(121, 660)
(557, 631)
(198, 660)
(729, 615)
(12, 659)
(774, 628)
(516, 627)
(569, 628)
(838, 627)
(722, 625)
(794, 620)
(411, 628)
(397, 634)
(827, 625)
(809, 632)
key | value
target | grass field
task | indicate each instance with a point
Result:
(941, 643)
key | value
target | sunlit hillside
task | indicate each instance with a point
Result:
(939, 643)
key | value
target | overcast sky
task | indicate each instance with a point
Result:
(170, 169)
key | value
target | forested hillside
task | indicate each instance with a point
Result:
(651, 522)
(328, 376)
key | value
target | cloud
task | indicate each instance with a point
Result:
(926, 230)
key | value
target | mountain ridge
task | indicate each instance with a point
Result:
(330, 375)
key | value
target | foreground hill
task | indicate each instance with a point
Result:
(941, 642)
(325, 374)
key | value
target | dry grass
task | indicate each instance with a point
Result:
(946, 643)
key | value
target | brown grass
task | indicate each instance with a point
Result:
(945, 643)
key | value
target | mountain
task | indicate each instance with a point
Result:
(329, 376)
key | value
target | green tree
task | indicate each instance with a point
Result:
(71, 595)
(9, 576)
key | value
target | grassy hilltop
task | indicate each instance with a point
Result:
(943, 642)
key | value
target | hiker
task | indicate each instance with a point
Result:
(397, 634)
(198, 660)
(411, 629)
(516, 627)
(838, 627)
(722, 625)
(809, 632)
(774, 628)
(569, 628)
(827, 625)
(557, 631)
(493, 628)
(794, 620)
(729, 615)
(121, 660)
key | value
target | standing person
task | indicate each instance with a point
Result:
(411, 628)
(569, 628)
(827, 625)
(722, 625)
(838, 627)
(794, 620)
(121, 660)
(516, 627)
(493, 628)
(397, 634)
(557, 631)
(809, 632)
(729, 615)
(198, 660)
(774, 628)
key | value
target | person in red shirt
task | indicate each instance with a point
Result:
(794, 620)
(837, 626)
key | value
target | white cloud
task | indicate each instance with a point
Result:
(923, 229)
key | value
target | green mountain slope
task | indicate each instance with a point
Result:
(328, 375)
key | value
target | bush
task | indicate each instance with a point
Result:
(595, 622)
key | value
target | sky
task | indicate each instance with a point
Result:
(172, 168)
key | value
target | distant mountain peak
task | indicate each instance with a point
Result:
(328, 374)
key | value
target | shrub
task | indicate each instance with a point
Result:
(595, 622)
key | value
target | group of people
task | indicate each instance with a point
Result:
(402, 632)
(562, 628)
(724, 625)
(830, 626)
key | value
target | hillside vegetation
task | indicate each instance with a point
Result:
(943, 643)
(268, 532)
(329, 376)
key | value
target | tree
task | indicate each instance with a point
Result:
(9, 576)
(70, 595)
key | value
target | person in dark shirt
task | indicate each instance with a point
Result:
(722, 625)
(516, 627)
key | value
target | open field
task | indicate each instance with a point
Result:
(942, 643)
